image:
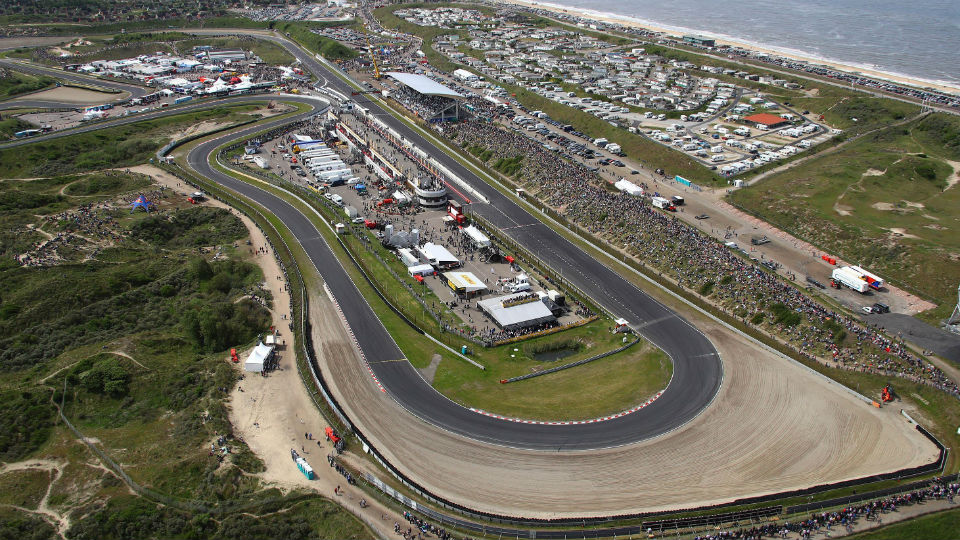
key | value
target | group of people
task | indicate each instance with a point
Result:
(695, 261)
(846, 518)
(424, 527)
(82, 232)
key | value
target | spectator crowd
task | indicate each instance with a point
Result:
(844, 518)
(695, 261)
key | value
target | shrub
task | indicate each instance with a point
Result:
(784, 315)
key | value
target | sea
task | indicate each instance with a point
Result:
(918, 39)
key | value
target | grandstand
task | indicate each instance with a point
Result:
(429, 99)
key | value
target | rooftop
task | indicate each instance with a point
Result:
(765, 119)
(423, 85)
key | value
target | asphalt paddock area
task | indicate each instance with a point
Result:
(774, 426)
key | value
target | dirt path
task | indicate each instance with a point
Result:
(61, 522)
(128, 357)
(273, 413)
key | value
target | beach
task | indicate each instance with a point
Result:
(636, 23)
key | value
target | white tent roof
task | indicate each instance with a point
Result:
(437, 254)
(517, 316)
(629, 187)
(420, 269)
(423, 85)
(257, 357)
(478, 237)
(465, 280)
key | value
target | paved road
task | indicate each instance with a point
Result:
(76, 78)
(693, 354)
(698, 369)
(942, 342)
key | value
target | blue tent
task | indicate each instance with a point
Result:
(140, 202)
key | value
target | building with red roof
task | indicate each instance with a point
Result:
(770, 121)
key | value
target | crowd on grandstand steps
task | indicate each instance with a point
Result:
(425, 107)
(843, 519)
(693, 260)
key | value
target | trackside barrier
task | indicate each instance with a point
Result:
(571, 364)
(528, 533)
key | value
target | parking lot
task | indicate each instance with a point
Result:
(370, 199)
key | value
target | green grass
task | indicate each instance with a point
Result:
(326, 47)
(269, 52)
(16, 524)
(119, 146)
(24, 488)
(937, 526)
(848, 202)
(13, 83)
(69, 29)
(128, 517)
(11, 124)
(599, 388)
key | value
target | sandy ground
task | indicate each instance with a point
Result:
(636, 24)
(201, 127)
(811, 431)
(273, 413)
(69, 94)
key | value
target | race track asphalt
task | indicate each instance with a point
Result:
(134, 90)
(698, 370)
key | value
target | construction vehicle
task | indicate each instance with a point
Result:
(887, 394)
(373, 53)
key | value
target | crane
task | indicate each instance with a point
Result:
(373, 53)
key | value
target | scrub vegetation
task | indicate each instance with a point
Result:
(887, 200)
(133, 314)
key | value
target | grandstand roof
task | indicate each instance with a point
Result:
(424, 85)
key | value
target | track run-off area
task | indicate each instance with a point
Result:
(736, 420)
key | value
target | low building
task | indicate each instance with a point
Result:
(700, 40)
(258, 358)
(465, 284)
(438, 256)
(769, 121)
(517, 311)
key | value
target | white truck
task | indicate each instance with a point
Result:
(518, 284)
(663, 203)
(848, 277)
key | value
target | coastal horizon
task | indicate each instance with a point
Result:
(869, 70)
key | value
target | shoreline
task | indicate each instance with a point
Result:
(626, 20)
